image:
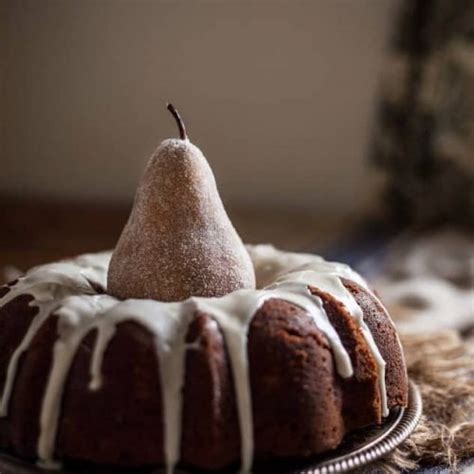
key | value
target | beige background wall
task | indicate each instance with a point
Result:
(278, 94)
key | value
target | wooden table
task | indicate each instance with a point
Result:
(36, 231)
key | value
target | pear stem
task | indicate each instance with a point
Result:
(179, 121)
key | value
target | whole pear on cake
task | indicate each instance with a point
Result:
(178, 241)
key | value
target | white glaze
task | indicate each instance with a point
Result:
(327, 277)
(49, 285)
(66, 289)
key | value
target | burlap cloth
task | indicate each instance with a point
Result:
(442, 364)
(428, 287)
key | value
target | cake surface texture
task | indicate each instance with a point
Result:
(283, 371)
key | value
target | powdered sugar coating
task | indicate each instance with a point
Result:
(178, 241)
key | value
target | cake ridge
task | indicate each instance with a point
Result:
(168, 322)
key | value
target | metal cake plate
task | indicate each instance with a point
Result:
(358, 449)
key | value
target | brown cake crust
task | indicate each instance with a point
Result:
(15, 319)
(301, 406)
(386, 337)
(210, 436)
(296, 391)
(362, 389)
(121, 423)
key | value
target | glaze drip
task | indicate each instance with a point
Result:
(67, 290)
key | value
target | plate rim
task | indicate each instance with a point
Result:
(401, 428)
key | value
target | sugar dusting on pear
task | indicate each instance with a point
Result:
(178, 241)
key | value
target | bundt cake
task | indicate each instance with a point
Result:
(282, 371)
(184, 346)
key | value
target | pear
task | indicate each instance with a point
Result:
(178, 241)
